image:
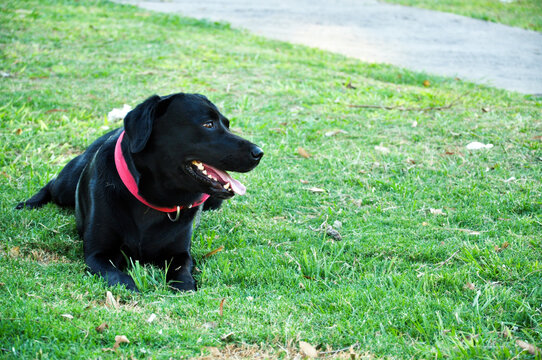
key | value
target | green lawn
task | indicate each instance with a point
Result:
(526, 14)
(440, 254)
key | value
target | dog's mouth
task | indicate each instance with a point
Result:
(215, 179)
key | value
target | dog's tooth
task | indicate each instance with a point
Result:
(204, 172)
(227, 186)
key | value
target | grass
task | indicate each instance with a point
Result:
(526, 14)
(440, 254)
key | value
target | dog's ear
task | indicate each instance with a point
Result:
(138, 122)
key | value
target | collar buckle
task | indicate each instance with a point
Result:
(173, 219)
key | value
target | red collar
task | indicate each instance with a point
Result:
(130, 183)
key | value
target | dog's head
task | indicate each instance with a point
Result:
(182, 142)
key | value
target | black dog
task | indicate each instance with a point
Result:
(136, 190)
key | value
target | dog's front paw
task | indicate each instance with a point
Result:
(122, 279)
(184, 283)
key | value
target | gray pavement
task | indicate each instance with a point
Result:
(417, 39)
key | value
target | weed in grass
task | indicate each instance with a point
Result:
(148, 278)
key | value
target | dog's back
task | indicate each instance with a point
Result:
(61, 189)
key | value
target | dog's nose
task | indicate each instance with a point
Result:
(256, 153)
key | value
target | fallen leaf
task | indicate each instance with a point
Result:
(14, 251)
(211, 253)
(296, 109)
(303, 181)
(210, 325)
(102, 327)
(510, 179)
(506, 333)
(19, 131)
(56, 110)
(539, 138)
(485, 109)
(476, 145)
(151, 318)
(426, 83)
(468, 231)
(221, 307)
(502, 247)
(469, 286)
(119, 339)
(335, 132)
(110, 300)
(349, 85)
(531, 349)
(227, 337)
(330, 231)
(382, 149)
(67, 316)
(307, 349)
(316, 190)
(303, 152)
(437, 212)
(214, 351)
(118, 113)
(39, 77)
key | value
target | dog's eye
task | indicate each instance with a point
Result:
(209, 124)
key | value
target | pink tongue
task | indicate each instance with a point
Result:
(236, 186)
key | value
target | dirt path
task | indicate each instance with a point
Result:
(418, 39)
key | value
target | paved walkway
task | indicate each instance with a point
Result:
(373, 31)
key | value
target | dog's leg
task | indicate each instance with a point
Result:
(60, 190)
(180, 273)
(102, 265)
(41, 198)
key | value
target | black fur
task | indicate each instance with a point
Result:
(163, 135)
